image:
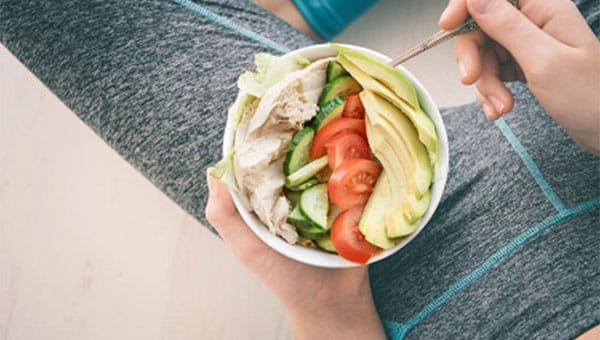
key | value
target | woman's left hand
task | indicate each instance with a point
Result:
(321, 303)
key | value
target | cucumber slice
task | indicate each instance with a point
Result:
(297, 155)
(334, 70)
(292, 196)
(310, 183)
(340, 86)
(311, 236)
(312, 233)
(305, 227)
(330, 111)
(306, 172)
(325, 243)
(296, 219)
(314, 205)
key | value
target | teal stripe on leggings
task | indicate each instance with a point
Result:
(232, 25)
(530, 164)
(398, 331)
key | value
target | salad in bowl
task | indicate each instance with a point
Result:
(333, 157)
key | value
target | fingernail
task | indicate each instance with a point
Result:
(498, 105)
(209, 179)
(462, 70)
(482, 6)
(490, 113)
(443, 16)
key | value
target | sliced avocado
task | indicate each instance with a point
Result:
(424, 125)
(398, 226)
(394, 218)
(401, 133)
(405, 204)
(385, 74)
(373, 220)
(414, 208)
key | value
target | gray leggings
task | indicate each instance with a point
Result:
(512, 251)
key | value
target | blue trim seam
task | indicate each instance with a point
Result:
(398, 331)
(232, 25)
(530, 164)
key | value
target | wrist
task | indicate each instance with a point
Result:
(344, 316)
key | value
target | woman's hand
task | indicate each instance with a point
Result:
(321, 303)
(546, 43)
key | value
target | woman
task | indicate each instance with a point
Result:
(511, 249)
(487, 266)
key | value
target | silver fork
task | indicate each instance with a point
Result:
(438, 38)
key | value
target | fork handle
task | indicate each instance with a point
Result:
(438, 38)
(434, 40)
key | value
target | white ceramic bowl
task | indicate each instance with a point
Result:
(320, 258)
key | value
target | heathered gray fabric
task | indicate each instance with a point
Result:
(154, 80)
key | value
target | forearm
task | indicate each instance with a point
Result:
(287, 11)
(353, 318)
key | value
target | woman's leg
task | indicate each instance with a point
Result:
(154, 78)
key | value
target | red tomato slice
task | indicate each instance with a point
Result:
(353, 107)
(347, 239)
(352, 182)
(346, 145)
(317, 148)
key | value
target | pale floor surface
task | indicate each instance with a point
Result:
(89, 249)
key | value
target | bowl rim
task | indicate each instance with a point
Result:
(321, 258)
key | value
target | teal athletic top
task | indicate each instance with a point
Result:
(513, 250)
(330, 17)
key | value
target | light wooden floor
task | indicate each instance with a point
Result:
(89, 249)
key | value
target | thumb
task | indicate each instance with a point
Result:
(222, 213)
(510, 28)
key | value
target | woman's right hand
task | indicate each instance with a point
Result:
(546, 43)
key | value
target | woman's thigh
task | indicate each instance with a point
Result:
(154, 78)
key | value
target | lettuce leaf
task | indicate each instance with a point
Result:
(235, 111)
(270, 70)
(223, 171)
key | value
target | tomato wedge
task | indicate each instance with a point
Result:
(353, 107)
(352, 182)
(347, 239)
(317, 148)
(346, 145)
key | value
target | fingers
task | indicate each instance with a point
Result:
(467, 49)
(492, 94)
(509, 70)
(503, 23)
(454, 15)
(554, 16)
(223, 215)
